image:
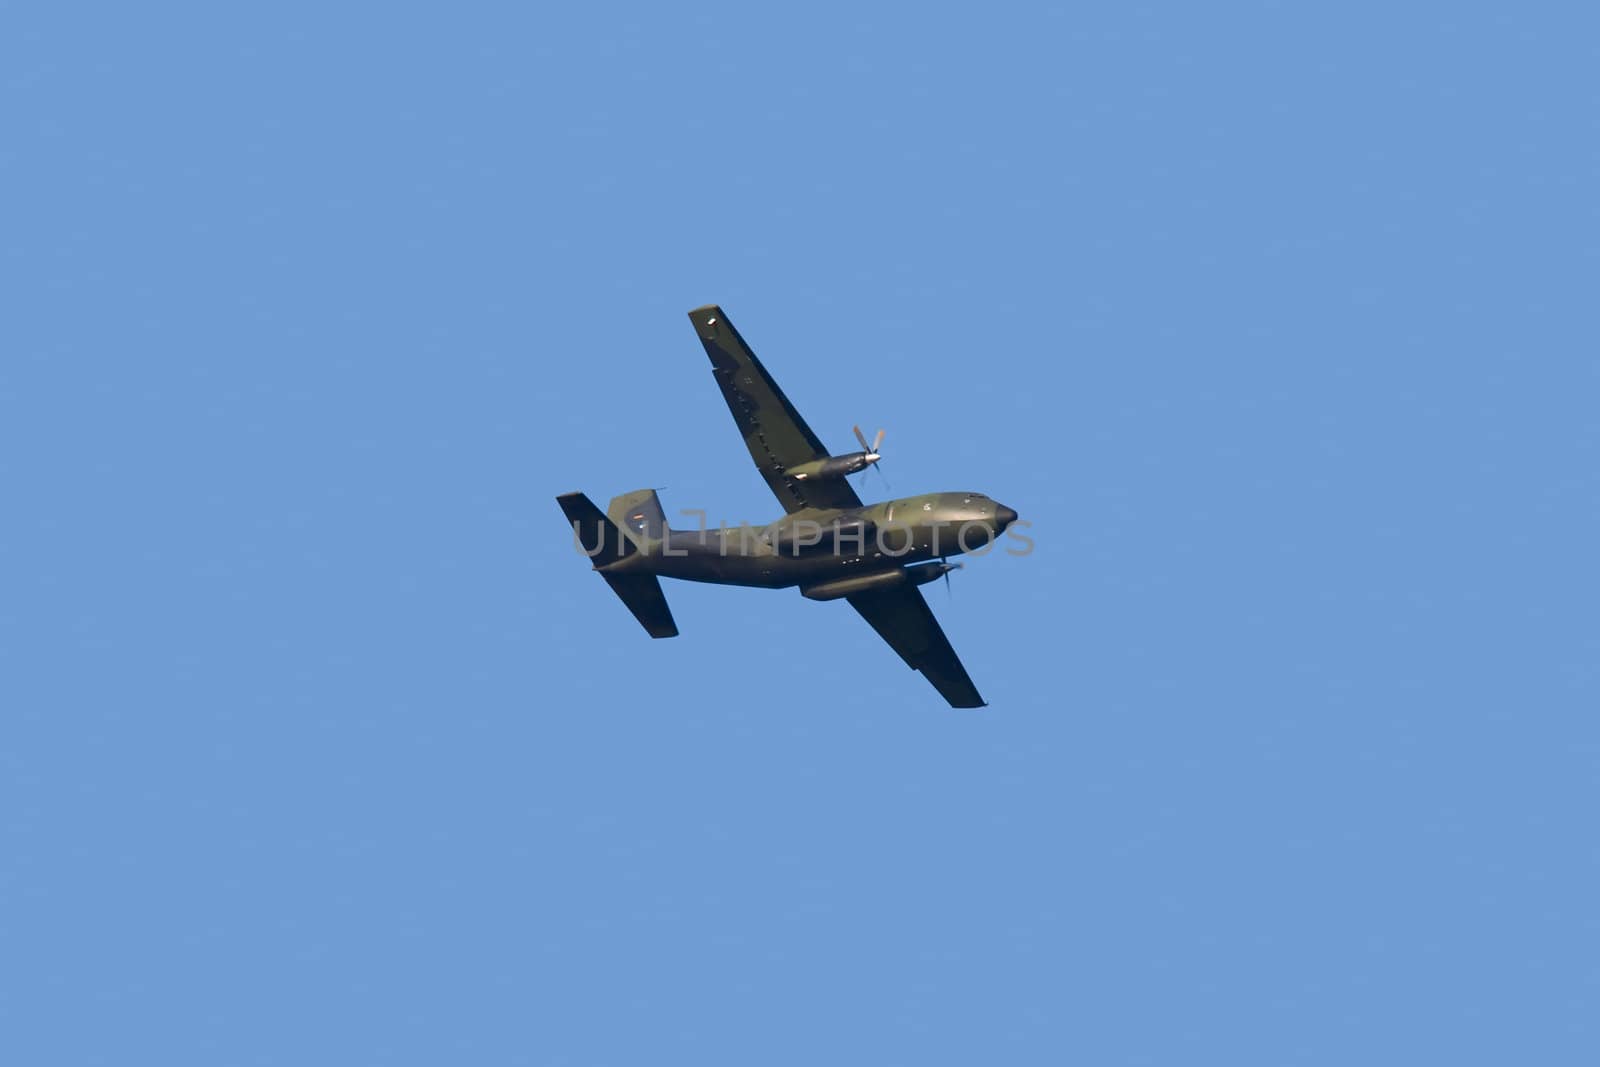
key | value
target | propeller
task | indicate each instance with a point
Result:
(871, 451)
(952, 567)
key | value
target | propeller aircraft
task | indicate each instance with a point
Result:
(829, 544)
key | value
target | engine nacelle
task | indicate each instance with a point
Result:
(921, 574)
(832, 466)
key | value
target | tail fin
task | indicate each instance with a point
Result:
(640, 516)
(602, 541)
(605, 542)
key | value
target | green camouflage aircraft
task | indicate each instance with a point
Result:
(829, 544)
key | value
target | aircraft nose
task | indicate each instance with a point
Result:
(1004, 516)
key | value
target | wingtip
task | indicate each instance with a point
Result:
(706, 319)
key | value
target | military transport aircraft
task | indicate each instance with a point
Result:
(828, 544)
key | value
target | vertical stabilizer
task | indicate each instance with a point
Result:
(639, 515)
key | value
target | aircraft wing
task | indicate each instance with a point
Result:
(902, 618)
(778, 438)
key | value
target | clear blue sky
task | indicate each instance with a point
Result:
(320, 746)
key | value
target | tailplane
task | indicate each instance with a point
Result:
(643, 596)
(604, 542)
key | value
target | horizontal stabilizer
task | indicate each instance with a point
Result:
(602, 541)
(642, 593)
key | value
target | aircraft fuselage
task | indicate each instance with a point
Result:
(814, 546)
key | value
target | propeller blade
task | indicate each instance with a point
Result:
(949, 591)
(872, 452)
